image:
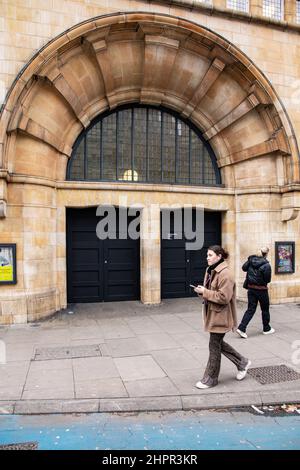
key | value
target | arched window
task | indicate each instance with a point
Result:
(143, 144)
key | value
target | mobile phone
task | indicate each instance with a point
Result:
(194, 287)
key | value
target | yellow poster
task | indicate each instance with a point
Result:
(6, 273)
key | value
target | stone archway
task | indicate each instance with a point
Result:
(98, 65)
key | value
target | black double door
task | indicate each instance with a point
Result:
(100, 270)
(181, 267)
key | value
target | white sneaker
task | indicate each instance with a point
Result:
(269, 332)
(242, 373)
(242, 334)
(201, 385)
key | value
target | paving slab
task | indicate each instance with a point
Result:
(124, 347)
(151, 387)
(13, 373)
(91, 368)
(85, 332)
(49, 378)
(62, 391)
(189, 340)
(54, 364)
(171, 324)
(158, 341)
(115, 328)
(19, 352)
(143, 325)
(16, 336)
(175, 359)
(13, 392)
(100, 388)
(185, 381)
(199, 353)
(138, 368)
(57, 336)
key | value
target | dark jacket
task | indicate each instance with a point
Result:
(258, 270)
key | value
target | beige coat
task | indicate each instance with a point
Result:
(219, 316)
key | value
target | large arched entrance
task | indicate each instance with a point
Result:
(139, 144)
(147, 59)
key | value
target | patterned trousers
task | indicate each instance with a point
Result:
(217, 347)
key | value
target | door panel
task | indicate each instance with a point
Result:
(99, 270)
(180, 267)
(121, 258)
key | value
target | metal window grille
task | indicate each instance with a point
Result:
(239, 5)
(298, 11)
(273, 9)
(143, 144)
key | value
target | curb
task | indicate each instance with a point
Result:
(144, 404)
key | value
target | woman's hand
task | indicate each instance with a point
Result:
(199, 289)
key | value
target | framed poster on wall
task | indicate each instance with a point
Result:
(8, 263)
(284, 257)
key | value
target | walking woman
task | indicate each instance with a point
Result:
(219, 316)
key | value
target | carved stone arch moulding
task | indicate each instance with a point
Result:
(152, 59)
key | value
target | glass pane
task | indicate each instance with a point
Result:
(140, 145)
(240, 5)
(197, 150)
(168, 148)
(209, 172)
(109, 147)
(93, 152)
(77, 163)
(124, 146)
(273, 9)
(183, 153)
(154, 145)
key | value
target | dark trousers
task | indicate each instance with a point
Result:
(217, 347)
(255, 296)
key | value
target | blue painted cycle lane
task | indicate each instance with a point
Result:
(191, 430)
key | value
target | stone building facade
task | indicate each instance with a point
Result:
(233, 75)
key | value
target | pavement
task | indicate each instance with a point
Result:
(126, 356)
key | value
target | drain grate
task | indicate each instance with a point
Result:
(20, 446)
(273, 374)
(66, 352)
